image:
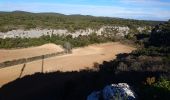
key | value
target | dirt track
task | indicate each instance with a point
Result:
(79, 59)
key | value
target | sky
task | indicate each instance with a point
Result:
(132, 9)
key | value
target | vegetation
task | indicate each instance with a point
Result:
(146, 69)
(26, 20)
(153, 57)
(157, 91)
(57, 39)
(163, 83)
(67, 47)
(160, 35)
(26, 60)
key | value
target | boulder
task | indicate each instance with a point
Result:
(119, 91)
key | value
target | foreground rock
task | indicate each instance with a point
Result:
(119, 91)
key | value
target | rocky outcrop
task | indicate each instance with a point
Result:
(119, 91)
(34, 33)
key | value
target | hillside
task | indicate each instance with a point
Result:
(25, 29)
(27, 20)
(145, 69)
(33, 25)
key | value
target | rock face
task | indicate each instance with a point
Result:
(35, 33)
(119, 91)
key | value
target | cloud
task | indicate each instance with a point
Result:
(151, 3)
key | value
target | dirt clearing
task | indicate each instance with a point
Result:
(79, 59)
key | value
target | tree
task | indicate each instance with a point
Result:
(67, 46)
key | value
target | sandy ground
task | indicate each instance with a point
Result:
(8, 55)
(79, 59)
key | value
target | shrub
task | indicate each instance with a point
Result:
(163, 83)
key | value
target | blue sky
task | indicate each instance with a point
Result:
(134, 9)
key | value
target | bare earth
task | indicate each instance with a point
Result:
(8, 55)
(79, 59)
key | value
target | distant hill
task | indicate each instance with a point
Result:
(28, 20)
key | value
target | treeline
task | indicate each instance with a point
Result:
(57, 39)
(26, 20)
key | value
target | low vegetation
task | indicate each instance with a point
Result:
(57, 39)
(154, 57)
(26, 20)
(146, 70)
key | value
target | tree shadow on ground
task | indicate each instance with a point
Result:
(76, 85)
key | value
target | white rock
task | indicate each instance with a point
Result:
(34, 33)
(119, 91)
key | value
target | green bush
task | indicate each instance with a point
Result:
(158, 91)
(163, 83)
(59, 40)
